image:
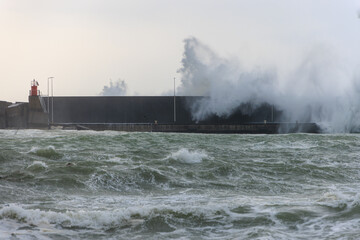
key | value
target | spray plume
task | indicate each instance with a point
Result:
(318, 90)
(118, 88)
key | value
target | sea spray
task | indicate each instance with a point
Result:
(227, 84)
(320, 89)
(119, 88)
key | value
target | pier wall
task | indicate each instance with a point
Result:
(3, 121)
(138, 109)
(142, 114)
(260, 128)
(17, 116)
(38, 117)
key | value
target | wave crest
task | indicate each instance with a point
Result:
(190, 157)
(48, 152)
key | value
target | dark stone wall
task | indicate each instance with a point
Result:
(117, 110)
(3, 106)
(138, 109)
(17, 115)
(38, 117)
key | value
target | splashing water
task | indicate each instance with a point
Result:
(186, 156)
(318, 90)
(119, 88)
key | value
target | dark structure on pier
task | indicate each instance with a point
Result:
(147, 113)
(150, 113)
(149, 109)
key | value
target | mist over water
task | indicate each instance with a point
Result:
(320, 89)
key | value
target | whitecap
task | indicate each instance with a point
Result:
(185, 156)
(36, 149)
(81, 218)
(38, 164)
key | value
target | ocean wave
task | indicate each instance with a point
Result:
(17, 222)
(118, 160)
(37, 165)
(135, 179)
(158, 218)
(340, 202)
(178, 186)
(47, 152)
(208, 219)
(187, 156)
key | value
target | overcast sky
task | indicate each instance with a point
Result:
(85, 43)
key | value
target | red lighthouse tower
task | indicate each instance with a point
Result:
(34, 91)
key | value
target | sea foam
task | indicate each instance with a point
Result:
(190, 157)
(81, 218)
(37, 165)
(47, 152)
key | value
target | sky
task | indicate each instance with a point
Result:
(85, 44)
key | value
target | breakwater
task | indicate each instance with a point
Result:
(249, 128)
(142, 114)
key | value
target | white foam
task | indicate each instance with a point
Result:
(336, 199)
(38, 164)
(10, 229)
(117, 160)
(80, 218)
(190, 157)
(125, 208)
(35, 149)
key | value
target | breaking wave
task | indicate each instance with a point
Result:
(179, 186)
(187, 156)
(37, 165)
(277, 220)
(319, 89)
(48, 152)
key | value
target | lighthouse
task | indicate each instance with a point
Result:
(34, 91)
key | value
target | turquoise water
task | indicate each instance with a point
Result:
(113, 185)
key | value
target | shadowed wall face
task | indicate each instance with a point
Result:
(17, 116)
(3, 106)
(143, 110)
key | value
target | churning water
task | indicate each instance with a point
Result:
(113, 185)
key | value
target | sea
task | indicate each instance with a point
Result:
(66, 184)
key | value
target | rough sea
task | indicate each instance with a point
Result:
(113, 185)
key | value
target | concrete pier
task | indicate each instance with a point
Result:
(249, 128)
(3, 118)
(142, 114)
